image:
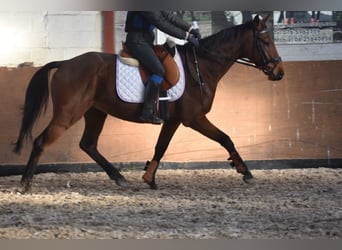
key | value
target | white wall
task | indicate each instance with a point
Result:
(44, 36)
(310, 52)
(40, 37)
(119, 29)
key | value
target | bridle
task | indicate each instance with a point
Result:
(264, 66)
(257, 41)
(265, 61)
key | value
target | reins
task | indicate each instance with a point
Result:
(199, 79)
(198, 73)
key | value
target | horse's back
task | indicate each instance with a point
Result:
(79, 77)
(88, 61)
(84, 66)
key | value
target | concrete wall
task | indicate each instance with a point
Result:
(299, 117)
(42, 36)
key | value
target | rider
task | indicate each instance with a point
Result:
(139, 41)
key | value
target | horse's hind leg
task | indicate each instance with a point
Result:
(94, 121)
(205, 127)
(48, 136)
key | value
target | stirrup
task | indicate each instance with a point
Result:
(151, 119)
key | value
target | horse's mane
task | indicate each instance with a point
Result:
(226, 35)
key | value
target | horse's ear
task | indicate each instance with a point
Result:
(257, 22)
(265, 19)
(260, 23)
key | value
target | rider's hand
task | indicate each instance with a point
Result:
(193, 40)
(196, 33)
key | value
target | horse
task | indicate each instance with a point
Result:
(82, 87)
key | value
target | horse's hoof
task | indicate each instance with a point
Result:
(153, 185)
(249, 179)
(121, 182)
(24, 190)
(26, 187)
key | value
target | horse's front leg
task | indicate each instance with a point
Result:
(165, 136)
(205, 127)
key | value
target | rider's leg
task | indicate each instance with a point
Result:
(146, 56)
(150, 97)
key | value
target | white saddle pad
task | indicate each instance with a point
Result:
(130, 87)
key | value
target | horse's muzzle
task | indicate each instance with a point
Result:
(276, 73)
(276, 77)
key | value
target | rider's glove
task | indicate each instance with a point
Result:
(193, 40)
(196, 33)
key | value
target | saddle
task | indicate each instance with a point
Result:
(171, 69)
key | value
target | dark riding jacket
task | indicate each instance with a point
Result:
(140, 36)
(140, 25)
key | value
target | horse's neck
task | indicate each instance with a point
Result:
(219, 60)
(221, 50)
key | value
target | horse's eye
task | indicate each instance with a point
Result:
(267, 44)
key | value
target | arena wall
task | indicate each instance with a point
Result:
(299, 117)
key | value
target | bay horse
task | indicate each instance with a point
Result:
(83, 87)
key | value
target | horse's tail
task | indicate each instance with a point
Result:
(36, 100)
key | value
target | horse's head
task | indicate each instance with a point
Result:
(262, 52)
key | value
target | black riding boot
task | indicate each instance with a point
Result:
(150, 96)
